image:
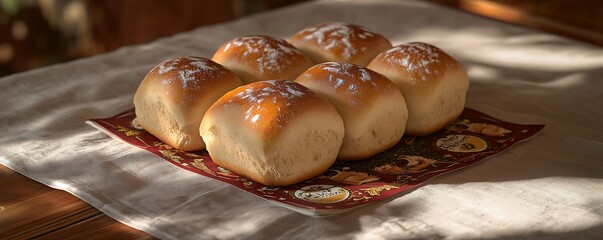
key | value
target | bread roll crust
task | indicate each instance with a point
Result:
(258, 57)
(340, 42)
(174, 95)
(372, 107)
(274, 132)
(433, 83)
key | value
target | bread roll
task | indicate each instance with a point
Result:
(274, 132)
(433, 83)
(173, 96)
(372, 107)
(340, 42)
(257, 58)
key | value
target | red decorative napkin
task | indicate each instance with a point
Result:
(414, 160)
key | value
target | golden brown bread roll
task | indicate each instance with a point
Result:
(433, 83)
(274, 132)
(257, 58)
(340, 42)
(174, 95)
(372, 107)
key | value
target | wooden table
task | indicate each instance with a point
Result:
(29, 209)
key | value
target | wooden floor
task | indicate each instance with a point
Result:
(30, 210)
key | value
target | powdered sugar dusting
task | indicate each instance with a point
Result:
(294, 91)
(339, 82)
(274, 54)
(350, 70)
(189, 71)
(419, 59)
(337, 35)
(255, 118)
(364, 75)
(202, 65)
(269, 91)
(168, 66)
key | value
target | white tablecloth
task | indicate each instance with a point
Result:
(548, 187)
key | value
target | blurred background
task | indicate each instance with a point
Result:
(35, 33)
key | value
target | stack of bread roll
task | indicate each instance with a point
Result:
(280, 112)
